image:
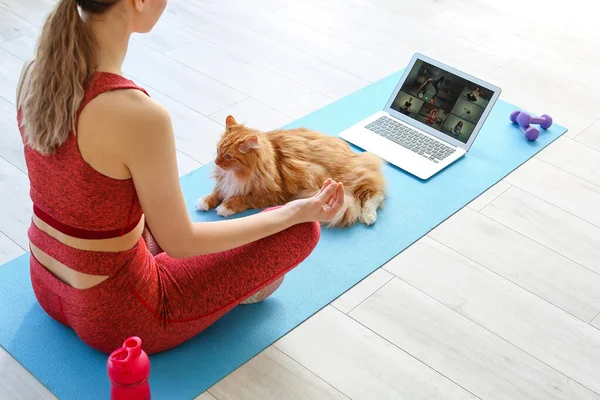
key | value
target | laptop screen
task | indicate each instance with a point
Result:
(442, 100)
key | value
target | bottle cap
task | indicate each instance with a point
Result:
(134, 344)
(120, 358)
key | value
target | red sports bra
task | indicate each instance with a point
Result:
(71, 196)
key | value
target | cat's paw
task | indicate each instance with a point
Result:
(223, 211)
(368, 216)
(203, 204)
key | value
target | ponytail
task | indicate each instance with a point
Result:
(65, 60)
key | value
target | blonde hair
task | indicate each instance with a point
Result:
(65, 60)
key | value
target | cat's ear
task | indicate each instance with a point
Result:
(230, 122)
(249, 144)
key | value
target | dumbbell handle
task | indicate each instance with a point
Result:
(524, 119)
(537, 120)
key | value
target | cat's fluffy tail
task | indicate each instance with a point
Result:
(349, 213)
(365, 191)
(367, 185)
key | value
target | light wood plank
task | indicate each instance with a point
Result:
(358, 61)
(367, 38)
(519, 259)
(294, 34)
(559, 188)
(394, 23)
(33, 11)
(22, 47)
(574, 120)
(8, 249)
(11, 26)
(273, 375)
(206, 396)
(361, 364)
(555, 61)
(254, 114)
(195, 135)
(188, 86)
(558, 340)
(366, 65)
(354, 26)
(513, 34)
(258, 82)
(15, 213)
(570, 93)
(322, 77)
(545, 30)
(548, 225)
(186, 164)
(11, 145)
(16, 383)
(165, 36)
(10, 70)
(268, 52)
(566, 41)
(575, 158)
(489, 195)
(498, 33)
(591, 136)
(361, 291)
(270, 4)
(528, 264)
(421, 11)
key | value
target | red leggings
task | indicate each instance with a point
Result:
(162, 300)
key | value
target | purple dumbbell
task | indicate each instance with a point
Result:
(514, 115)
(530, 132)
(524, 119)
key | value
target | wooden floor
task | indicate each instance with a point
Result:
(499, 302)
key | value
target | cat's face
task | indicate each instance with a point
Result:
(239, 149)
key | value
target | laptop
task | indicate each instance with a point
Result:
(431, 119)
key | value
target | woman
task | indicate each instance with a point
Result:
(102, 167)
(473, 95)
(430, 88)
(405, 109)
(432, 116)
(458, 128)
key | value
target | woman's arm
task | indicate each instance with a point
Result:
(424, 84)
(151, 158)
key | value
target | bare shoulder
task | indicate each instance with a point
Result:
(124, 118)
(120, 126)
(127, 108)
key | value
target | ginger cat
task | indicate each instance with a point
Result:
(256, 170)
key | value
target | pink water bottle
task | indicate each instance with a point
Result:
(128, 371)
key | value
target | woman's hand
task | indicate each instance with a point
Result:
(322, 207)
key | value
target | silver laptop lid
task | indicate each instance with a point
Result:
(442, 101)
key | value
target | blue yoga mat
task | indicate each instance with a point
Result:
(71, 370)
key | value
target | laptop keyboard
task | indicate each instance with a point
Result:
(411, 139)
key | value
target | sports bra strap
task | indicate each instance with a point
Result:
(102, 82)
